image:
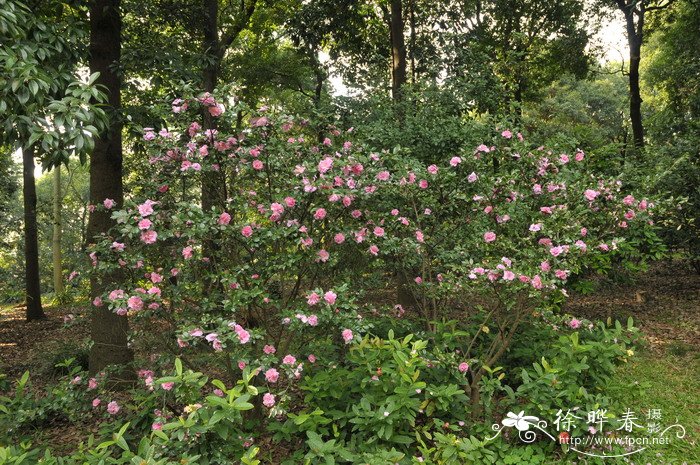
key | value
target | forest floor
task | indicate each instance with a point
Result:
(664, 373)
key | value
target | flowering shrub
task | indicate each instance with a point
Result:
(312, 236)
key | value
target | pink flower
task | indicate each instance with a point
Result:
(556, 251)
(423, 184)
(96, 402)
(323, 255)
(325, 165)
(433, 169)
(268, 400)
(472, 177)
(507, 134)
(149, 237)
(92, 384)
(347, 335)
(224, 219)
(187, 252)
(561, 274)
(135, 303)
(378, 231)
(313, 299)
(269, 349)
(289, 360)
(320, 214)
(420, 237)
(257, 165)
(311, 358)
(579, 156)
(489, 236)
(145, 224)
(508, 275)
(216, 110)
(272, 375)
(290, 202)
(146, 208)
(536, 282)
(535, 227)
(109, 203)
(383, 176)
(112, 408)
(247, 231)
(330, 297)
(574, 323)
(545, 266)
(463, 367)
(157, 426)
(167, 386)
(454, 161)
(374, 250)
(339, 238)
(590, 194)
(584, 231)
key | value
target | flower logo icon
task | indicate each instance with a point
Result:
(520, 421)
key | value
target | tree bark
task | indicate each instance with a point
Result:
(635, 35)
(109, 330)
(31, 243)
(57, 233)
(398, 50)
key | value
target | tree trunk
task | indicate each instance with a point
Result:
(635, 96)
(31, 243)
(109, 330)
(398, 50)
(57, 233)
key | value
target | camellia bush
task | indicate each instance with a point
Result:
(314, 240)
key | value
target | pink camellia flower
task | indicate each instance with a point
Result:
(145, 224)
(419, 236)
(378, 231)
(418, 280)
(535, 227)
(135, 303)
(268, 400)
(339, 238)
(224, 219)
(507, 134)
(96, 402)
(325, 165)
(536, 282)
(330, 297)
(157, 426)
(167, 386)
(109, 203)
(347, 335)
(561, 274)
(463, 367)
(433, 169)
(149, 237)
(564, 158)
(556, 251)
(590, 194)
(545, 266)
(289, 360)
(269, 349)
(579, 156)
(155, 277)
(216, 110)
(112, 408)
(584, 231)
(423, 184)
(290, 201)
(574, 323)
(643, 205)
(472, 177)
(374, 250)
(187, 252)
(508, 275)
(454, 161)
(489, 236)
(630, 214)
(277, 208)
(146, 208)
(313, 299)
(320, 214)
(247, 231)
(383, 176)
(323, 255)
(604, 247)
(272, 375)
(92, 384)
(257, 165)
(311, 358)
(312, 320)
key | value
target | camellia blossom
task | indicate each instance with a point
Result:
(489, 236)
(347, 335)
(257, 165)
(272, 375)
(330, 297)
(109, 203)
(590, 194)
(289, 360)
(112, 407)
(268, 400)
(463, 367)
(575, 324)
(472, 177)
(224, 219)
(149, 237)
(247, 231)
(454, 161)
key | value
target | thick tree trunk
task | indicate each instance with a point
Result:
(109, 330)
(57, 233)
(398, 50)
(31, 243)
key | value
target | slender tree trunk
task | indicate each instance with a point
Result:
(109, 330)
(31, 243)
(398, 50)
(57, 233)
(635, 96)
